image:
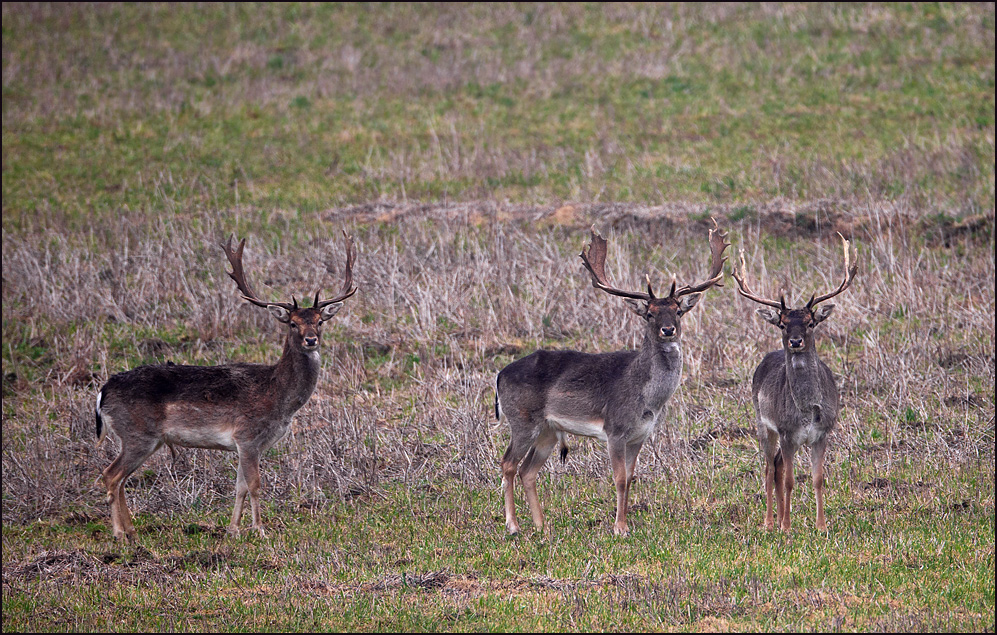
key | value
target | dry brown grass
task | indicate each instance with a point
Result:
(451, 294)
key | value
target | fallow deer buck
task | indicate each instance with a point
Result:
(795, 395)
(244, 408)
(616, 397)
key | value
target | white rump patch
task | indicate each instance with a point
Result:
(807, 435)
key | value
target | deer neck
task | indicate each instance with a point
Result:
(803, 378)
(661, 364)
(295, 376)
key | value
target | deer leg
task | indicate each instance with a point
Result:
(618, 456)
(241, 490)
(132, 456)
(787, 488)
(769, 442)
(518, 448)
(779, 482)
(633, 449)
(247, 482)
(529, 469)
(817, 472)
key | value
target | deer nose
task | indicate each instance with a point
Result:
(795, 342)
(667, 331)
(311, 341)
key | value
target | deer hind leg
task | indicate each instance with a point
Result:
(510, 466)
(817, 472)
(133, 455)
(528, 470)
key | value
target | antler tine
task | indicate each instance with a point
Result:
(742, 288)
(237, 274)
(850, 270)
(718, 244)
(348, 288)
(594, 258)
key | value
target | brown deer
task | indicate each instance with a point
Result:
(795, 396)
(615, 397)
(244, 408)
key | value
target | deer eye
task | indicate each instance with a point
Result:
(782, 326)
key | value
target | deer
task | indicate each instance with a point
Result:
(795, 395)
(239, 407)
(616, 397)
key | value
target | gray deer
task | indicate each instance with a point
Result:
(795, 396)
(616, 397)
(245, 408)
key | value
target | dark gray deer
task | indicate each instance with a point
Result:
(616, 397)
(244, 408)
(795, 396)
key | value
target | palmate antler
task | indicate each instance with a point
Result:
(851, 268)
(239, 276)
(348, 288)
(845, 283)
(594, 258)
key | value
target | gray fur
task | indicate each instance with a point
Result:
(617, 397)
(796, 404)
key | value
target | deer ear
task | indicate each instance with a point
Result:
(822, 312)
(331, 310)
(638, 307)
(688, 301)
(279, 312)
(770, 315)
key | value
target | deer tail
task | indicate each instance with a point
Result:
(101, 429)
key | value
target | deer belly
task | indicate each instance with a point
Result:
(582, 426)
(209, 438)
(194, 427)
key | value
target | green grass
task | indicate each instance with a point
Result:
(305, 108)
(433, 556)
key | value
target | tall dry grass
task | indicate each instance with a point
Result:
(448, 295)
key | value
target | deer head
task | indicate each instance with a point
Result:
(798, 325)
(662, 314)
(304, 323)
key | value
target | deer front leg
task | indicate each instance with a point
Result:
(817, 472)
(787, 489)
(769, 442)
(247, 483)
(617, 456)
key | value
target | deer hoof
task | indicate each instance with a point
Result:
(621, 530)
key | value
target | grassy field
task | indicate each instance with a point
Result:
(468, 148)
